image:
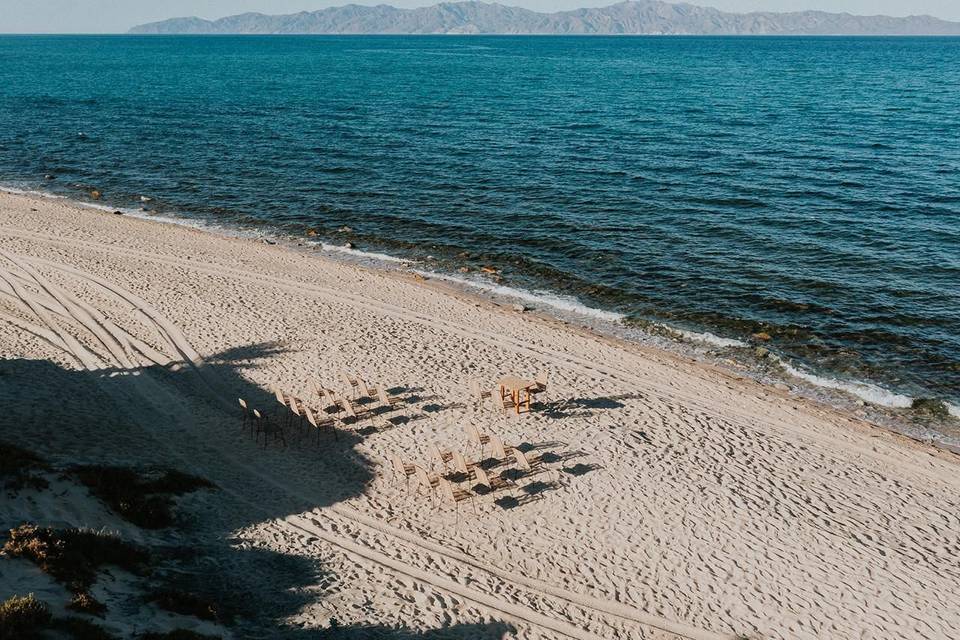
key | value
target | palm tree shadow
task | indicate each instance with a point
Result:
(187, 418)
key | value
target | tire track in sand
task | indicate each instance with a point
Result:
(513, 611)
(784, 430)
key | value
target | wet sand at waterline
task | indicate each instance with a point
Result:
(675, 500)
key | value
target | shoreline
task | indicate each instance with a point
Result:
(677, 499)
(852, 398)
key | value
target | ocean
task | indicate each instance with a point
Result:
(789, 203)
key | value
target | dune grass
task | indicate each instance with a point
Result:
(187, 604)
(21, 469)
(143, 498)
(74, 556)
(23, 617)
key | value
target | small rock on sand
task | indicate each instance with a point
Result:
(118, 213)
(520, 308)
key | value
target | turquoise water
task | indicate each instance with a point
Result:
(807, 188)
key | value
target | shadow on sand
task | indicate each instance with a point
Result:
(188, 418)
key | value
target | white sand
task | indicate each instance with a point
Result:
(706, 505)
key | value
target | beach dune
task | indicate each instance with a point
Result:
(677, 500)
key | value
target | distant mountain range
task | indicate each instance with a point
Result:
(648, 17)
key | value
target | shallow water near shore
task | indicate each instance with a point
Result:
(718, 190)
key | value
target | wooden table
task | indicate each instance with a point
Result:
(515, 386)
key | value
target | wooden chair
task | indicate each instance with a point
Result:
(526, 464)
(541, 381)
(295, 414)
(502, 404)
(267, 428)
(331, 400)
(317, 389)
(476, 437)
(492, 483)
(387, 400)
(428, 481)
(365, 389)
(352, 382)
(247, 420)
(348, 409)
(318, 426)
(479, 394)
(456, 495)
(499, 450)
(442, 458)
(402, 470)
(462, 465)
(283, 413)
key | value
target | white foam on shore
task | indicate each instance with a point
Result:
(864, 390)
(868, 392)
(30, 192)
(540, 298)
(367, 255)
(705, 337)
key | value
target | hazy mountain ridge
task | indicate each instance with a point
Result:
(631, 17)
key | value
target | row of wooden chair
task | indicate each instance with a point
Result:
(260, 423)
(292, 410)
(452, 464)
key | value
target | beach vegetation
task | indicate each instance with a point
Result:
(20, 468)
(81, 629)
(74, 556)
(186, 603)
(930, 408)
(84, 602)
(26, 618)
(143, 498)
(23, 617)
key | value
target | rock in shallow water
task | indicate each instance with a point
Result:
(930, 407)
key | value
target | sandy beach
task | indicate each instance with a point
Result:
(674, 500)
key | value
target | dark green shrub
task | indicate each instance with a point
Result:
(83, 602)
(22, 617)
(73, 556)
(80, 629)
(187, 604)
(19, 468)
(146, 502)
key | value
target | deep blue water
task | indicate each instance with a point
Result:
(808, 188)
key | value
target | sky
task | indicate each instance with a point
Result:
(114, 16)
